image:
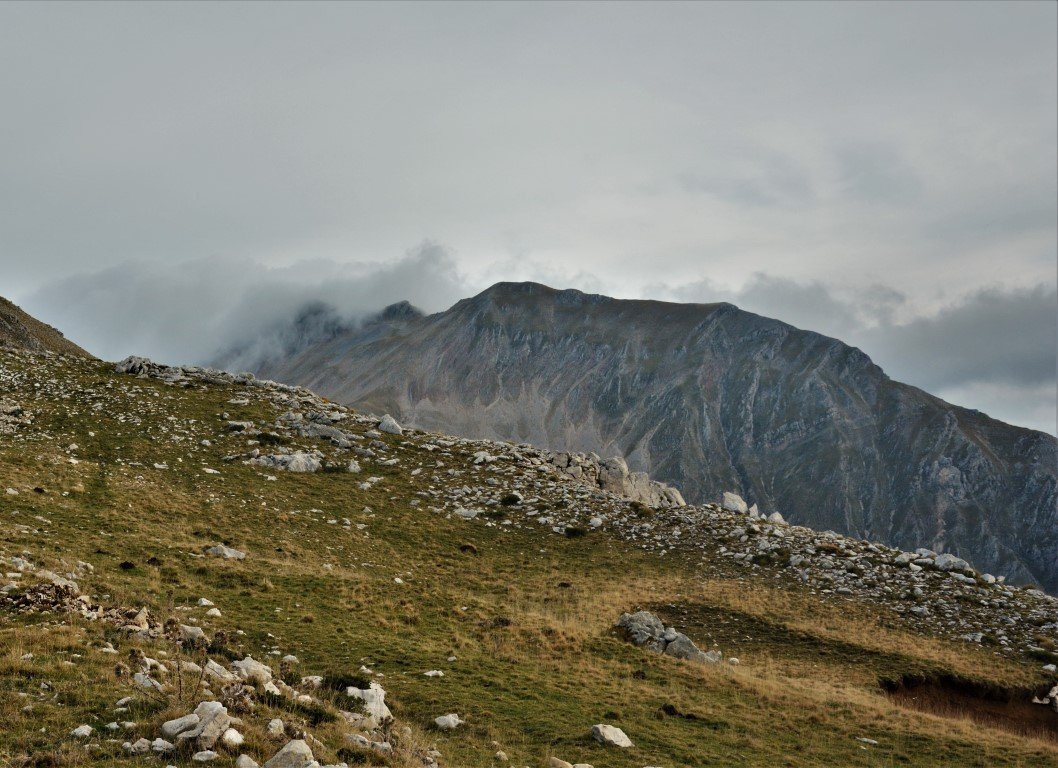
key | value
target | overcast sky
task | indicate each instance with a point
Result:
(173, 177)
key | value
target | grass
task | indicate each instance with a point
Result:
(527, 615)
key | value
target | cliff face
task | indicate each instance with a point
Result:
(710, 398)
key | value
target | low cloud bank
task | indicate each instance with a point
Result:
(995, 350)
(193, 311)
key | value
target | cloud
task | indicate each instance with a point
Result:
(188, 312)
(995, 350)
(992, 337)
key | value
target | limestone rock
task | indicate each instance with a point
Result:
(296, 754)
(734, 503)
(610, 736)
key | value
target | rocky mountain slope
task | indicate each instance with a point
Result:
(202, 567)
(19, 330)
(706, 397)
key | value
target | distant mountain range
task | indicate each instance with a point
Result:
(709, 398)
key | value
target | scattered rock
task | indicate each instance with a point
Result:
(226, 552)
(610, 736)
(296, 754)
(448, 722)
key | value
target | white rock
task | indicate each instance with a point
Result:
(226, 552)
(173, 728)
(162, 747)
(448, 722)
(296, 754)
(231, 738)
(390, 426)
(146, 682)
(139, 747)
(374, 703)
(81, 732)
(245, 761)
(252, 670)
(734, 503)
(610, 735)
(204, 756)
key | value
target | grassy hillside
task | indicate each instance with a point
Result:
(110, 473)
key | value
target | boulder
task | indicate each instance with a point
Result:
(448, 722)
(682, 647)
(374, 704)
(213, 721)
(642, 626)
(173, 728)
(227, 553)
(734, 503)
(390, 426)
(296, 754)
(299, 461)
(949, 562)
(253, 671)
(611, 736)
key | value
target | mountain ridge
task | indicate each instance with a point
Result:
(703, 396)
(20, 330)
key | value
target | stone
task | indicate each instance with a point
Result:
(682, 647)
(173, 728)
(610, 735)
(253, 671)
(217, 672)
(231, 738)
(162, 747)
(81, 732)
(949, 562)
(138, 747)
(146, 682)
(776, 519)
(554, 762)
(390, 426)
(213, 722)
(642, 626)
(298, 461)
(204, 756)
(374, 704)
(734, 503)
(245, 761)
(226, 552)
(296, 754)
(448, 722)
(275, 727)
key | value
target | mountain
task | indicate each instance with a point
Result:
(21, 331)
(201, 567)
(709, 397)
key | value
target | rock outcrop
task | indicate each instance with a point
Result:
(22, 331)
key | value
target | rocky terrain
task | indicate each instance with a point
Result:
(19, 330)
(204, 567)
(707, 397)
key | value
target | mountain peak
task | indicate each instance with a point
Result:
(402, 310)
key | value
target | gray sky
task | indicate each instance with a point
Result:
(172, 176)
